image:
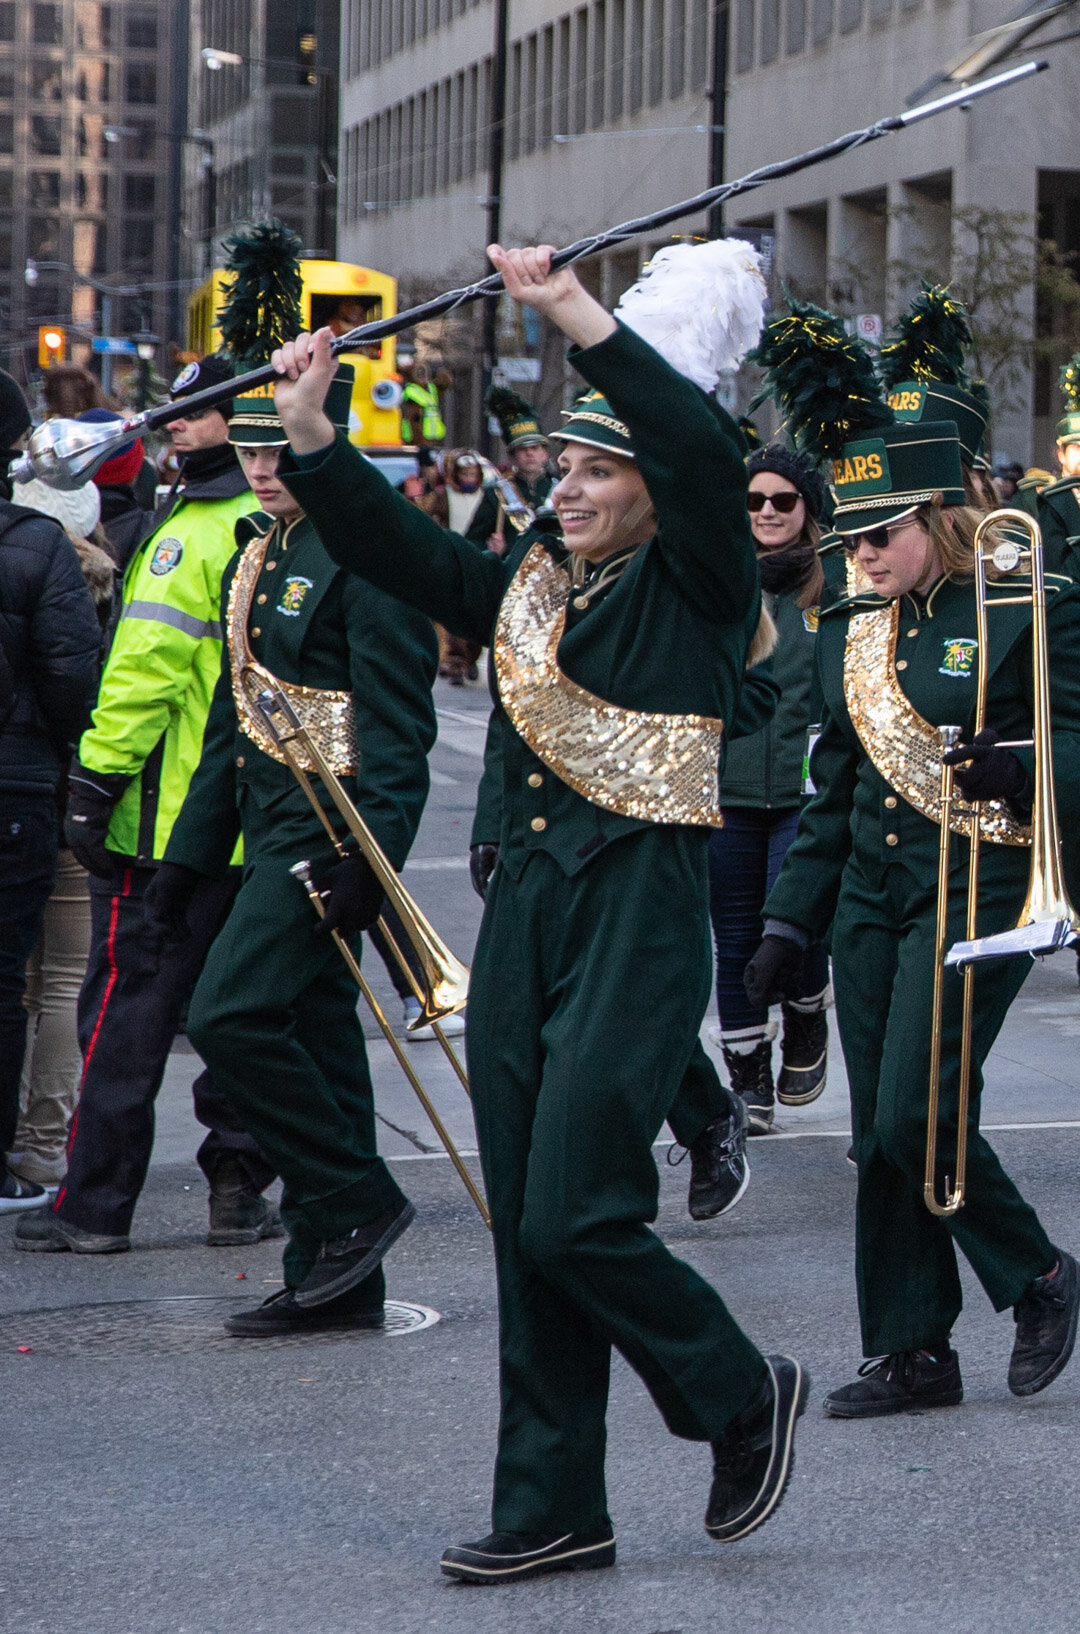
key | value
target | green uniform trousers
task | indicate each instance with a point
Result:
(883, 977)
(274, 1018)
(587, 994)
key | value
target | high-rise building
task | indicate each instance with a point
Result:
(91, 123)
(263, 96)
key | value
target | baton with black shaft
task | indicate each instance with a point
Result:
(66, 453)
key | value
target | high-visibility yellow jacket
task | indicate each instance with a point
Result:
(432, 428)
(164, 663)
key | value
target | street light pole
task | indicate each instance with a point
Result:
(718, 97)
(496, 147)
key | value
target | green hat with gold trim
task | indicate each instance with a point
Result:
(890, 469)
(592, 420)
(255, 421)
(518, 425)
(914, 401)
(1068, 427)
(922, 368)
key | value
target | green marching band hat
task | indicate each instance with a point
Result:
(879, 467)
(1068, 427)
(922, 368)
(255, 419)
(518, 425)
(592, 420)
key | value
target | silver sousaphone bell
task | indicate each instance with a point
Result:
(66, 453)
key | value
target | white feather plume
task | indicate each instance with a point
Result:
(701, 305)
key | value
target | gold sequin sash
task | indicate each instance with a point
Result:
(328, 716)
(904, 748)
(661, 768)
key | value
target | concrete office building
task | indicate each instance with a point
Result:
(602, 101)
(803, 71)
(89, 168)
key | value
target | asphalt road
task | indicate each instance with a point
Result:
(160, 1479)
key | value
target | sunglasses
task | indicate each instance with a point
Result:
(784, 503)
(876, 538)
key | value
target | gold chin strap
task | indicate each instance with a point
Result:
(637, 513)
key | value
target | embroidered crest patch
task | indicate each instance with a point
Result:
(292, 596)
(167, 554)
(959, 656)
(810, 620)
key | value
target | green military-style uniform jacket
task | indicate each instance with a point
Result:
(486, 514)
(765, 768)
(592, 969)
(865, 860)
(315, 626)
(1059, 519)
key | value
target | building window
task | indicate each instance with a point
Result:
(796, 25)
(617, 58)
(636, 55)
(597, 63)
(48, 25)
(529, 94)
(770, 30)
(140, 83)
(677, 49)
(850, 15)
(7, 84)
(141, 31)
(46, 82)
(656, 52)
(45, 135)
(139, 192)
(744, 35)
(7, 133)
(821, 21)
(7, 20)
(561, 82)
(93, 27)
(44, 190)
(699, 43)
(138, 245)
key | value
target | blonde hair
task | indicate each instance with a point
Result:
(952, 535)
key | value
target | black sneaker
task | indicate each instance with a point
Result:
(804, 1051)
(1045, 1328)
(509, 1557)
(905, 1382)
(719, 1171)
(240, 1216)
(16, 1194)
(751, 1077)
(281, 1314)
(753, 1459)
(45, 1233)
(345, 1261)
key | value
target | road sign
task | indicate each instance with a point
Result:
(868, 327)
(114, 345)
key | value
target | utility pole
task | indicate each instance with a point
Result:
(496, 146)
(718, 98)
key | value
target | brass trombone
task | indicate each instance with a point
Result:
(1047, 921)
(443, 988)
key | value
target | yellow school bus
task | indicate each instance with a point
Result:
(342, 295)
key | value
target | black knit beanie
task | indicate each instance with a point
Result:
(14, 414)
(794, 469)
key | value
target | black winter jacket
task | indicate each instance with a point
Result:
(50, 644)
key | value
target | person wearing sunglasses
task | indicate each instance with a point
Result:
(762, 791)
(895, 662)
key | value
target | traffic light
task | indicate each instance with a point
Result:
(51, 345)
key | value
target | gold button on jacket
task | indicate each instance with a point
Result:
(538, 825)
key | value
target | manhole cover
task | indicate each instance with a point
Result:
(172, 1327)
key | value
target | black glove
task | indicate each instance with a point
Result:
(167, 899)
(989, 773)
(355, 899)
(771, 971)
(92, 798)
(482, 860)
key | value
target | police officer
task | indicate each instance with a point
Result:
(592, 969)
(529, 478)
(274, 1012)
(127, 785)
(421, 416)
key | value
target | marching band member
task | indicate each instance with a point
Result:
(618, 656)
(529, 477)
(1058, 503)
(895, 662)
(274, 1012)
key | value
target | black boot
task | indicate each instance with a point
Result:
(905, 1382)
(281, 1314)
(239, 1214)
(1045, 1328)
(508, 1557)
(751, 1077)
(719, 1172)
(804, 1052)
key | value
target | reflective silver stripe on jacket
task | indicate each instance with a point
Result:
(159, 612)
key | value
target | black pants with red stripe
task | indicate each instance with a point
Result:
(129, 1010)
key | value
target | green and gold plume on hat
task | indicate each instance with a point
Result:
(518, 425)
(260, 311)
(921, 366)
(1068, 427)
(822, 379)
